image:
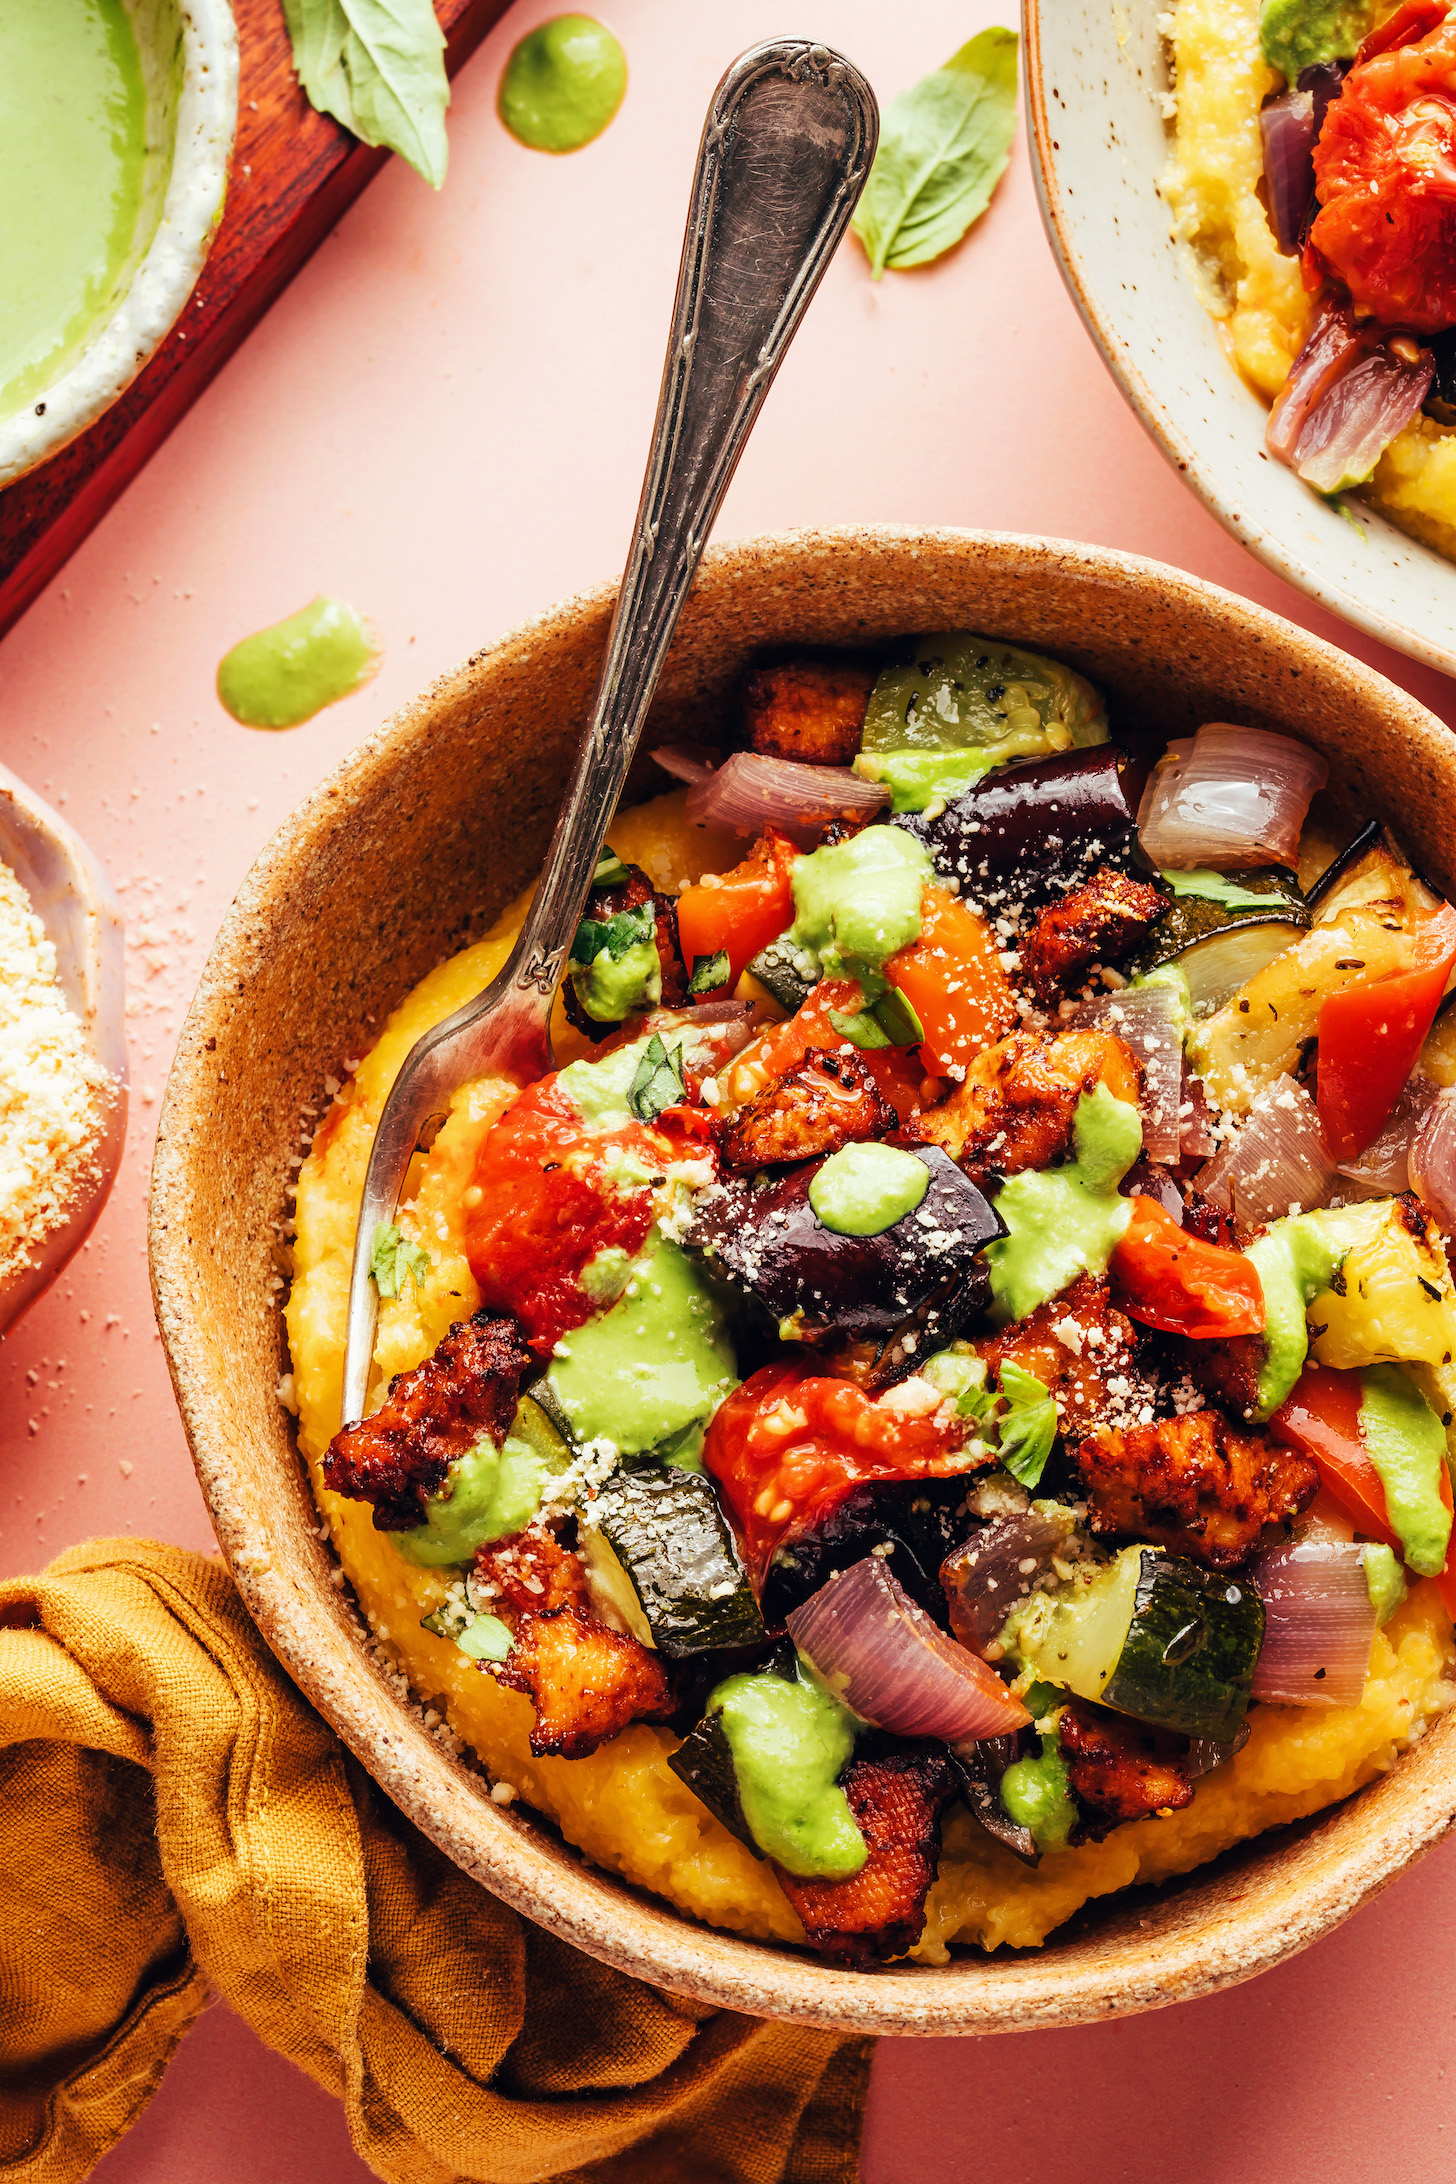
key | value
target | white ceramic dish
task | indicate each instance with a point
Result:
(189, 55)
(1095, 79)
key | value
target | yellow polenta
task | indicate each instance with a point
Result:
(624, 1807)
(1259, 298)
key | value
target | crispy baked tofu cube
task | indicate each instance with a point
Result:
(809, 710)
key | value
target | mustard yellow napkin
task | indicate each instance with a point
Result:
(174, 1818)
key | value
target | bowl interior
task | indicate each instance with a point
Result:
(453, 798)
(1095, 80)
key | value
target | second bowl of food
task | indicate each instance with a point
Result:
(935, 1414)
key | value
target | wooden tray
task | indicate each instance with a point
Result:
(294, 172)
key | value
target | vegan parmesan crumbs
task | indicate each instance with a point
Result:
(53, 1091)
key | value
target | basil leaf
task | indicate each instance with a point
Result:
(485, 1639)
(392, 1257)
(616, 934)
(1218, 887)
(1027, 1427)
(895, 1017)
(610, 871)
(944, 145)
(378, 66)
(658, 1082)
(861, 1030)
(709, 972)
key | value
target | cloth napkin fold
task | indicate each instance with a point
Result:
(175, 1818)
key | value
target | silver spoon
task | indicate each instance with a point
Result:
(786, 149)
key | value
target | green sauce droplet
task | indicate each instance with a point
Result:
(563, 84)
(286, 674)
(868, 1188)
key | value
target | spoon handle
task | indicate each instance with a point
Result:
(785, 152)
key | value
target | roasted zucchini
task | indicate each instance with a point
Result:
(672, 1540)
(1220, 944)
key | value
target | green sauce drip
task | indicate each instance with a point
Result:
(1066, 1222)
(866, 1189)
(489, 1493)
(1036, 1794)
(1384, 1580)
(284, 675)
(1406, 1442)
(563, 84)
(790, 1743)
(858, 903)
(73, 174)
(1296, 1258)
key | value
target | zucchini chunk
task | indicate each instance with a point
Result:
(1219, 946)
(666, 1530)
(1152, 1636)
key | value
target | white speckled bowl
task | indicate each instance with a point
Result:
(189, 55)
(1095, 76)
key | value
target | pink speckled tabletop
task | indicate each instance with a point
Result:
(444, 421)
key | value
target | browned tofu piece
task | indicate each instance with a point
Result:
(1097, 923)
(878, 1912)
(1120, 1769)
(809, 710)
(1016, 1105)
(1226, 1371)
(398, 1458)
(1193, 1485)
(1073, 1346)
(827, 1102)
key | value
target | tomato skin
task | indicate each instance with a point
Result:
(1168, 1278)
(1385, 175)
(744, 910)
(788, 1445)
(953, 979)
(1370, 1037)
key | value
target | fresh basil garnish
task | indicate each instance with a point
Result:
(860, 1030)
(610, 871)
(378, 66)
(944, 145)
(616, 934)
(709, 972)
(392, 1257)
(1027, 1427)
(658, 1082)
(895, 1017)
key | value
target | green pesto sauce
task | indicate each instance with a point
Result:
(1296, 1258)
(562, 84)
(1036, 1794)
(917, 780)
(1065, 1222)
(1384, 1580)
(1296, 34)
(610, 987)
(72, 175)
(648, 1373)
(489, 1493)
(1218, 887)
(1406, 1442)
(857, 903)
(284, 675)
(790, 1743)
(865, 1189)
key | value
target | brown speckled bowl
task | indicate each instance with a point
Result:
(453, 799)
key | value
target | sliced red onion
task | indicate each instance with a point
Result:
(1148, 1020)
(1331, 344)
(889, 1663)
(749, 792)
(1319, 1623)
(1384, 1166)
(1198, 1139)
(996, 1569)
(1433, 1161)
(1275, 1163)
(690, 762)
(1287, 126)
(1359, 412)
(1233, 796)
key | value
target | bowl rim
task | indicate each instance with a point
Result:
(1177, 448)
(122, 345)
(515, 1859)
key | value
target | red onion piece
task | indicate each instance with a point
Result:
(1319, 1623)
(1433, 1161)
(1146, 1019)
(888, 1662)
(690, 762)
(996, 1569)
(1287, 126)
(749, 792)
(1198, 1139)
(1383, 1168)
(1331, 344)
(1358, 414)
(1276, 1161)
(1234, 796)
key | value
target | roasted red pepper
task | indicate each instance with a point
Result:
(1165, 1276)
(744, 910)
(1370, 1036)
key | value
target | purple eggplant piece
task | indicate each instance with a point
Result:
(914, 1523)
(924, 1272)
(1034, 831)
(1148, 1179)
(1288, 128)
(980, 1767)
(996, 1569)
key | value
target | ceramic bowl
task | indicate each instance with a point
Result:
(454, 798)
(189, 57)
(1095, 80)
(76, 903)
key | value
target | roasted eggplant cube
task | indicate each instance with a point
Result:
(673, 1541)
(1034, 831)
(924, 1272)
(979, 1768)
(914, 1523)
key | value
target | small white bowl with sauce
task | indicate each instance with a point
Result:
(116, 127)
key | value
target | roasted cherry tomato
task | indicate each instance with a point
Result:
(787, 1446)
(1167, 1277)
(1385, 174)
(1370, 1036)
(744, 910)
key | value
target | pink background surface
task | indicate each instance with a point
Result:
(445, 421)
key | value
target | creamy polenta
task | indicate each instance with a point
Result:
(1212, 188)
(623, 1806)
